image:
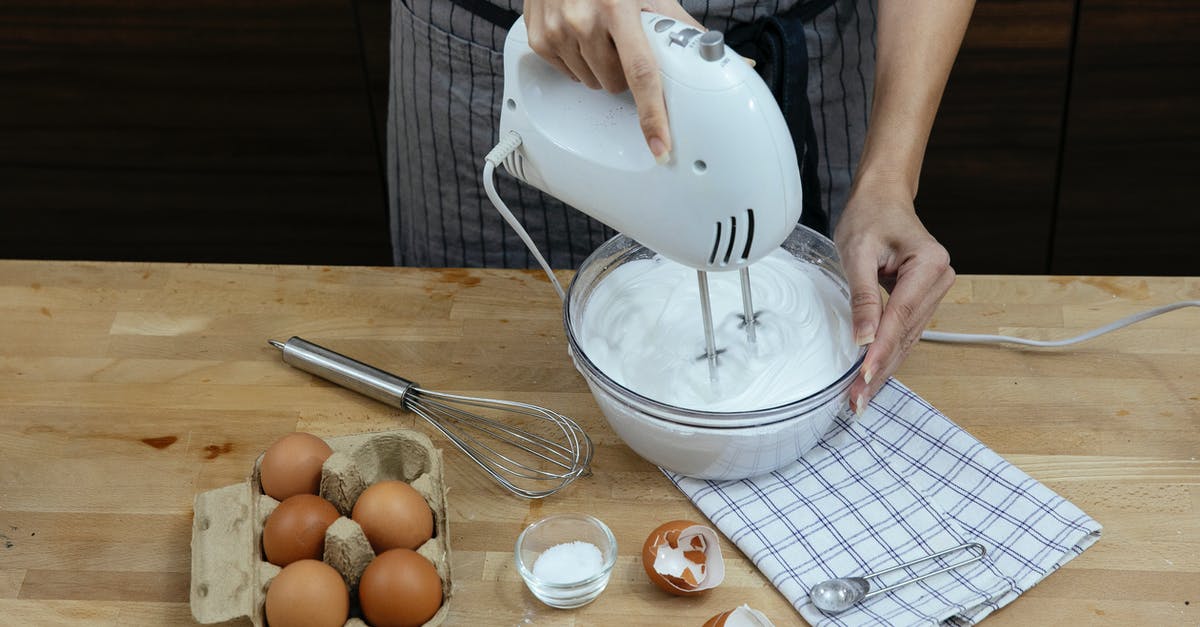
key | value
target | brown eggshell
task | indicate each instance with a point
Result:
(393, 516)
(718, 620)
(399, 588)
(292, 465)
(307, 593)
(683, 558)
(296, 529)
(744, 616)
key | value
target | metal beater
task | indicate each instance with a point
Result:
(748, 317)
(528, 464)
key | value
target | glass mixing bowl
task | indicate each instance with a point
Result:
(709, 444)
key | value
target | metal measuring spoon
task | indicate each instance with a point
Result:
(838, 595)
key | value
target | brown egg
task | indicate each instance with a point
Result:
(393, 516)
(399, 588)
(296, 529)
(682, 557)
(292, 465)
(307, 593)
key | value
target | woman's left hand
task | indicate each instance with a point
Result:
(882, 243)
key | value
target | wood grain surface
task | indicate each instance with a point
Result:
(126, 389)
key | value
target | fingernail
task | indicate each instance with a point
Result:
(751, 62)
(859, 406)
(867, 374)
(863, 338)
(659, 149)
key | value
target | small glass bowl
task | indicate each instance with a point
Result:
(559, 529)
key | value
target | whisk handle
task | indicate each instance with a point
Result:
(349, 373)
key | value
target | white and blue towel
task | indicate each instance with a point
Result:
(896, 484)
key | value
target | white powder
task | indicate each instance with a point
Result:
(568, 562)
(642, 328)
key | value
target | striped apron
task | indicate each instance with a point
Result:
(444, 111)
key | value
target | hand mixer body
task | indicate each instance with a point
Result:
(731, 192)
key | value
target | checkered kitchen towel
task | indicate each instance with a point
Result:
(896, 484)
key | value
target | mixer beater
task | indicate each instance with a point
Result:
(749, 318)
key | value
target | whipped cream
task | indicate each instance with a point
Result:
(642, 328)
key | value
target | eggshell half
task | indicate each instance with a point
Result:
(744, 616)
(682, 557)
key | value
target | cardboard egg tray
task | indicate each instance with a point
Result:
(230, 575)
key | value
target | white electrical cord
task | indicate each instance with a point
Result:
(973, 338)
(495, 157)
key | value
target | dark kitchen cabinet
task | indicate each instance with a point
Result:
(253, 132)
(989, 180)
(1067, 140)
(212, 130)
(1128, 198)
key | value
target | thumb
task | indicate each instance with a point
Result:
(673, 10)
(866, 303)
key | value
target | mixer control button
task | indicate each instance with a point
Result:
(712, 46)
(683, 36)
(663, 25)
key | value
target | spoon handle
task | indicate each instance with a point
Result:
(970, 546)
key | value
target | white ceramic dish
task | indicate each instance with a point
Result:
(703, 444)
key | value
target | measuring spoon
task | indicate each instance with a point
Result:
(838, 595)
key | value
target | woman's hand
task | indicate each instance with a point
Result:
(882, 243)
(601, 44)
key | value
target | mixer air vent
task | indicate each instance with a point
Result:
(749, 234)
(712, 257)
(726, 241)
(515, 164)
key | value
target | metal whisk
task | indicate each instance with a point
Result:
(528, 464)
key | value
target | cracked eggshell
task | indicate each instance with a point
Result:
(682, 557)
(744, 616)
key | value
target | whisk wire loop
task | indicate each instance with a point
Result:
(563, 452)
(437, 414)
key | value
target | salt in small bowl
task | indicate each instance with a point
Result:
(560, 529)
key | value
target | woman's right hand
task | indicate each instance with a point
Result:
(601, 44)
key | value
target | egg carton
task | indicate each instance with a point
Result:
(230, 574)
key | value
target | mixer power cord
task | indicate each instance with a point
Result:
(495, 157)
(973, 338)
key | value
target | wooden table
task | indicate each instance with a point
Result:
(125, 389)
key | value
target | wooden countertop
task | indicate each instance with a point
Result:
(126, 389)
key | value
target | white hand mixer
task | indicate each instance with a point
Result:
(730, 194)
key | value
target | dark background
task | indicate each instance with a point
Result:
(226, 131)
